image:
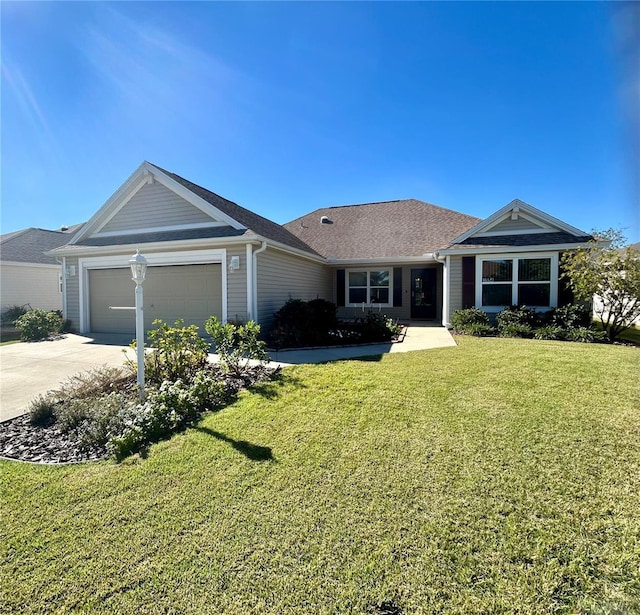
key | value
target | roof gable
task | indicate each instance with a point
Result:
(518, 218)
(152, 201)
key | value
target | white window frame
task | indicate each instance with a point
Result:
(368, 303)
(515, 257)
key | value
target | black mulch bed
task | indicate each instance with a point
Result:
(22, 441)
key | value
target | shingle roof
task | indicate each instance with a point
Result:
(254, 222)
(529, 239)
(377, 230)
(29, 245)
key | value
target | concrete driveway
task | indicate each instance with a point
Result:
(31, 368)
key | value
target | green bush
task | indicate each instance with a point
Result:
(569, 316)
(461, 320)
(94, 421)
(586, 335)
(236, 343)
(519, 315)
(13, 312)
(42, 411)
(515, 330)
(478, 330)
(38, 325)
(550, 333)
(172, 407)
(178, 352)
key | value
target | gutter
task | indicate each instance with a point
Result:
(446, 279)
(254, 272)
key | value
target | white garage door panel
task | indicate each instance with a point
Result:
(190, 292)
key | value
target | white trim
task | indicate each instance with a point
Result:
(528, 231)
(382, 260)
(249, 254)
(157, 229)
(553, 282)
(522, 206)
(446, 280)
(34, 265)
(472, 250)
(368, 304)
(541, 225)
(158, 259)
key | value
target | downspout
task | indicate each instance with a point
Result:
(63, 277)
(262, 248)
(445, 262)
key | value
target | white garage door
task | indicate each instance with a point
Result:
(190, 292)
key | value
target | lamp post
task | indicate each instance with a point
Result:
(138, 271)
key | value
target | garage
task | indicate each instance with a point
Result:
(190, 292)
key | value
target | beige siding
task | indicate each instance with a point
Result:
(38, 286)
(237, 286)
(283, 276)
(155, 206)
(521, 224)
(73, 295)
(455, 285)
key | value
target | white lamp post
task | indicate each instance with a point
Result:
(138, 271)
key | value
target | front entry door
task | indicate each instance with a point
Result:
(423, 293)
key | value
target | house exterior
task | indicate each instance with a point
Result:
(27, 275)
(210, 256)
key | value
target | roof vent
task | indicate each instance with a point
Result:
(64, 227)
(325, 220)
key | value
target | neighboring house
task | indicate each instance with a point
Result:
(27, 276)
(209, 256)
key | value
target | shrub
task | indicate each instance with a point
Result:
(95, 382)
(38, 325)
(42, 411)
(374, 327)
(168, 409)
(478, 330)
(519, 315)
(586, 335)
(515, 330)
(321, 318)
(463, 319)
(13, 312)
(569, 316)
(178, 352)
(235, 343)
(550, 333)
(94, 421)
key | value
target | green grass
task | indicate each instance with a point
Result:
(631, 335)
(501, 476)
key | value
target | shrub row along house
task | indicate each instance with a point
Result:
(209, 256)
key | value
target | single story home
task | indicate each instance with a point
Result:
(210, 256)
(27, 276)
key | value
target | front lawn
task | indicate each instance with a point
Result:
(502, 476)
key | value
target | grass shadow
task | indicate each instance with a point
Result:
(249, 450)
(272, 388)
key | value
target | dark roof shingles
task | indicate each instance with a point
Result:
(522, 240)
(252, 221)
(388, 229)
(29, 245)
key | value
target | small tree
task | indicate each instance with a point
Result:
(609, 275)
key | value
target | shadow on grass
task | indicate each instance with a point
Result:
(249, 450)
(272, 388)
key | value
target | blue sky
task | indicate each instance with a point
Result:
(288, 107)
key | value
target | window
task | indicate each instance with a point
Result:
(517, 280)
(369, 287)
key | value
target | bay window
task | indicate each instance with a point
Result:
(369, 287)
(505, 280)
